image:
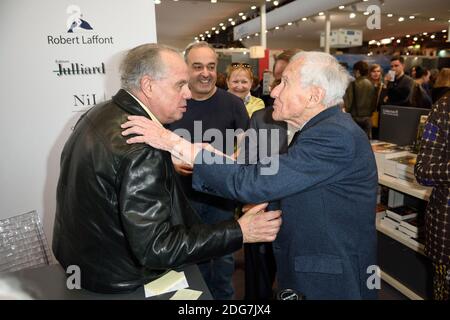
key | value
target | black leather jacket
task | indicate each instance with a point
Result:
(121, 215)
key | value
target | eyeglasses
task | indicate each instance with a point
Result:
(241, 65)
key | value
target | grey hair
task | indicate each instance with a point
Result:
(195, 45)
(323, 70)
(143, 60)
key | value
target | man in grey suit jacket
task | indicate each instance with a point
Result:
(326, 183)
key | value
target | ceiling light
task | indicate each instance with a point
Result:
(213, 1)
(289, 24)
(398, 40)
(230, 19)
(341, 7)
(157, 1)
(425, 33)
(352, 15)
(320, 13)
(233, 23)
(256, 34)
(432, 19)
(444, 30)
(201, 35)
(366, 13)
(217, 31)
(241, 14)
(390, 15)
(407, 36)
(221, 24)
(411, 17)
(415, 38)
(213, 28)
(304, 19)
(248, 37)
(401, 19)
(253, 7)
(209, 36)
(275, 3)
(240, 39)
(224, 28)
(392, 38)
(196, 38)
(206, 31)
(244, 17)
(432, 36)
(365, 0)
(277, 27)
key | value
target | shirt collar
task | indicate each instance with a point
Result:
(151, 115)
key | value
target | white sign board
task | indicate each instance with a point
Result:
(58, 58)
(343, 38)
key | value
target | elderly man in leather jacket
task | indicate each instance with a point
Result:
(121, 215)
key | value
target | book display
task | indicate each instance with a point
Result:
(400, 224)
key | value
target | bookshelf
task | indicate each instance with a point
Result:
(417, 248)
(404, 186)
(396, 252)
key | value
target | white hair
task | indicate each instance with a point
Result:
(323, 70)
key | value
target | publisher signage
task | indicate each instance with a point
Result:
(58, 59)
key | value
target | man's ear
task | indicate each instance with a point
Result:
(146, 85)
(317, 94)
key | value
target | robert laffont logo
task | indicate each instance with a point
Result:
(74, 21)
(78, 31)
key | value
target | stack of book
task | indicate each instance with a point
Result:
(404, 222)
(385, 150)
(401, 167)
(401, 213)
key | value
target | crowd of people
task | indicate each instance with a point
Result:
(150, 201)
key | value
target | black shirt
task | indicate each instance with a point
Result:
(221, 111)
(399, 91)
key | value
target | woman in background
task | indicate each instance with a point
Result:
(376, 77)
(239, 81)
(433, 169)
(441, 85)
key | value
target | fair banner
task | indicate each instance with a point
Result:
(57, 59)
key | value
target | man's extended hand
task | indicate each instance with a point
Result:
(260, 226)
(183, 168)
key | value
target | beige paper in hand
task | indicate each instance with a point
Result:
(171, 281)
(186, 294)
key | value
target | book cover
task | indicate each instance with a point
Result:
(413, 224)
(386, 148)
(401, 213)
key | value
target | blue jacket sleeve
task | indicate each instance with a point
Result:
(316, 158)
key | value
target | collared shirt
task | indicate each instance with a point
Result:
(151, 115)
(291, 130)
